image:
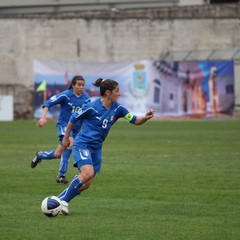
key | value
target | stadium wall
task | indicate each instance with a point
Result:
(108, 37)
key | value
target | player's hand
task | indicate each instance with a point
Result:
(149, 114)
(65, 143)
(41, 122)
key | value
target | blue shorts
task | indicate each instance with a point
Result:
(83, 155)
(61, 128)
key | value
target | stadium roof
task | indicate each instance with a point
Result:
(198, 55)
(53, 6)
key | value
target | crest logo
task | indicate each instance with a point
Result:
(86, 153)
(138, 86)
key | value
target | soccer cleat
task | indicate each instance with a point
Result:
(35, 161)
(64, 210)
(61, 179)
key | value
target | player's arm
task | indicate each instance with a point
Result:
(65, 141)
(75, 117)
(138, 120)
(54, 100)
(142, 119)
(43, 120)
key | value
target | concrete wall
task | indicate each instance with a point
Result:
(104, 39)
(237, 89)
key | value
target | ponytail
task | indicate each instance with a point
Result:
(105, 84)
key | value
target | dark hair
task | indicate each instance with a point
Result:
(74, 80)
(105, 84)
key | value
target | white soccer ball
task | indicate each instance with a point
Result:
(51, 206)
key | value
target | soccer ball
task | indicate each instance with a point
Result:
(51, 206)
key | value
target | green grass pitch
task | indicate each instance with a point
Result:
(163, 180)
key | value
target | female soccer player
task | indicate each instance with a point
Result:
(97, 118)
(70, 101)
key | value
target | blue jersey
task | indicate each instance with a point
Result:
(69, 103)
(97, 121)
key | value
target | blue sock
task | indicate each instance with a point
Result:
(69, 193)
(63, 193)
(46, 155)
(64, 162)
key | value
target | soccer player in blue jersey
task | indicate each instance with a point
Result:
(70, 101)
(97, 118)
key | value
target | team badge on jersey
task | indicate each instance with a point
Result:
(112, 118)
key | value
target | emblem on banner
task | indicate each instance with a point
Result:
(138, 86)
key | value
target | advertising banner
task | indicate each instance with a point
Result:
(196, 87)
(170, 88)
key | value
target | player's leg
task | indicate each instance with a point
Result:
(75, 187)
(84, 187)
(42, 155)
(65, 157)
(63, 167)
(87, 170)
(47, 155)
(50, 154)
(83, 161)
(71, 192)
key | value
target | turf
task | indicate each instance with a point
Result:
(163, 180)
